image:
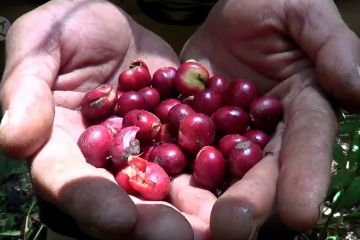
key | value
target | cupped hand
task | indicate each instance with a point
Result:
(300, 52)
(54, 55)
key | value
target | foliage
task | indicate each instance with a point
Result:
(341, 214)
(18, 208)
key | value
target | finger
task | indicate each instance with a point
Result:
(190, 199)
(169, 222)
(306, 153)
(332, 46)
(26, 98)
(90, 195)
(193, 203)
(246, 204)
(201, 230)
(161, 222)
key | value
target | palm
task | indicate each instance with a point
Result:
(87, 57)
(254, 40)
(92, 42)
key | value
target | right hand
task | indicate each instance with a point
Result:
(55, 54)
(301, 52)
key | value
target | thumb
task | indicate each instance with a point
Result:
(335, 50)
(89, 195)
(61, 176)
(26, 97)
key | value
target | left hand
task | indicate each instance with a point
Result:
(296, 50)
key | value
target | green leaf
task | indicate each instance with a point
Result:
(339, 155)
(7, 165)
(348, 127)
(30, 210)
(354, 150)
(2, 194)
(21, 169)
(9, 221)
(351, 195)
(341, 180)
(333, 238)
(10, 233)
(349, 117)
(353, 215)
(38, 232)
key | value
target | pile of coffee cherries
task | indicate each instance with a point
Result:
(148, 129)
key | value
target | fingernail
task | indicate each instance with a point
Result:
(358, 68)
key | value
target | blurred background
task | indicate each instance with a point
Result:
(152, 14)
(157, 15)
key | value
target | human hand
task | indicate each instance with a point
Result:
(54, 55)
(299, 51)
